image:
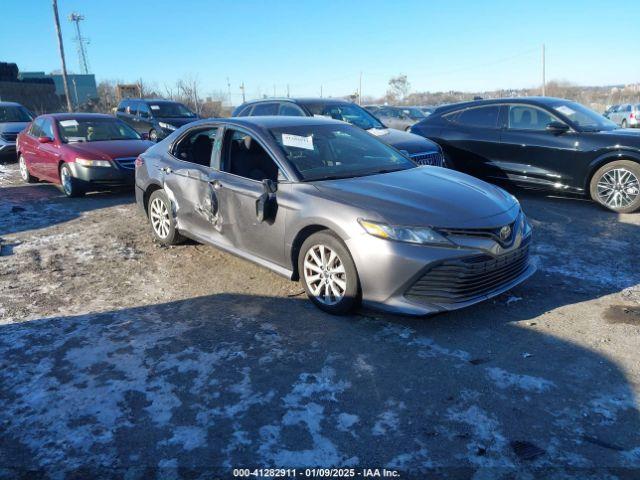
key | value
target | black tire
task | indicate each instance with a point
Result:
(163, 227)
(323, 297)
(623, 124)
(69, 185)
(598, 195)
(24, 171)
(153, 135)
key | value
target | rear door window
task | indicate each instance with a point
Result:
(265, 109)
(477, 117)
(291, 110)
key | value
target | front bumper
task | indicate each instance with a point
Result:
(7, 147)
(421, 279)
(116, 175)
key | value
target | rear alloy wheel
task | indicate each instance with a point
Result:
(24, 171)
(70, 185)
(328, 274)
(616, 186)
(162, 220)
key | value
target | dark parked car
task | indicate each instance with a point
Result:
(325, 202)
(154, 118)
(541, 142)
(421, 150)
(13, 119)
(79, 151)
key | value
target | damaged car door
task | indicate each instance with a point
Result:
(188, 176)
(248, 190)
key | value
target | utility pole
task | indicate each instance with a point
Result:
(64, 63)
(320, 91)
(274, 90)
(360, 90)
(242, 88)
(229, 90)
(287, 90)
(544, 80)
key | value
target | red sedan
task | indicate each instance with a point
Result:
(79, 151)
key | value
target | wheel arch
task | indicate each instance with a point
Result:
(152, 187)
(608, 158)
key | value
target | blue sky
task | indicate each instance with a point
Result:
(439, 45)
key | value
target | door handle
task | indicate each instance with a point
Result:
(166, 170)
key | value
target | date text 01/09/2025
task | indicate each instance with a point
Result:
(316, 473)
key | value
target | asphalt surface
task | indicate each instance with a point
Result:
(120, 358)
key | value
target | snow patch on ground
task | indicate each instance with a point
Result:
(504, 380)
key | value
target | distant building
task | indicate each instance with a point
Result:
(82, 88)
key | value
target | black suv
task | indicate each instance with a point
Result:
(543, 143)
(420, 150)
(156, 118)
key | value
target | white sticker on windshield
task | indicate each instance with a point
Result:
(378, 132)
(563, 109)
(68, 123)
(297, 141)
(322, 116)
(155, 107)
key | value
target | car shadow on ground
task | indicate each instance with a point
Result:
(195, 387)
(28, 207)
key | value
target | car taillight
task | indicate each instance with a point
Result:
(139, 162)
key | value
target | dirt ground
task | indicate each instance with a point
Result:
(123, 358)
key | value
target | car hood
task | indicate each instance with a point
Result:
(623, 134)
(177, 122)
(425, 196)
(108, 150)
(13, 127)
(410, 142)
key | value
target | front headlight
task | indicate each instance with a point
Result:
(418, 235)
(93, 163)
(168, 126)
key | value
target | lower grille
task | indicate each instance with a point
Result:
(431, 158)
(458, 281)
(9, 137)
(128, 163)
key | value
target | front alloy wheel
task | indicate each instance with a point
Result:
(328, 273)
(617, 186)
(70, 185)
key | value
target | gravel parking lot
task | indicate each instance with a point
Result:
(120, 356)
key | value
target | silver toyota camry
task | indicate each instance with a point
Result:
(329, 204)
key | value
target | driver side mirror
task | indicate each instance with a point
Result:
(266, 204)
(45, 140)
(557, 128)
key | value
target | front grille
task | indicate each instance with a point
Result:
(458, 281)
(9, 137)
(128, 163)
(428, 158)
(493, 233)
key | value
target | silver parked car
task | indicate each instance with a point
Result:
(325, 202)
(13, 119)
(402, 118)
(626, 115)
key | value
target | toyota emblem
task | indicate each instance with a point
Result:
(505, 232)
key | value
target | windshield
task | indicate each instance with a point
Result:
(14, 113)
(325, 152)
(582, 117)
(346, 112)
(170, 110)
(95, 130)
(414, 113)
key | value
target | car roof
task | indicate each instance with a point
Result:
(73, 116)
(302, 100)
(271, 121)
(10, 104)
(499, 101)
